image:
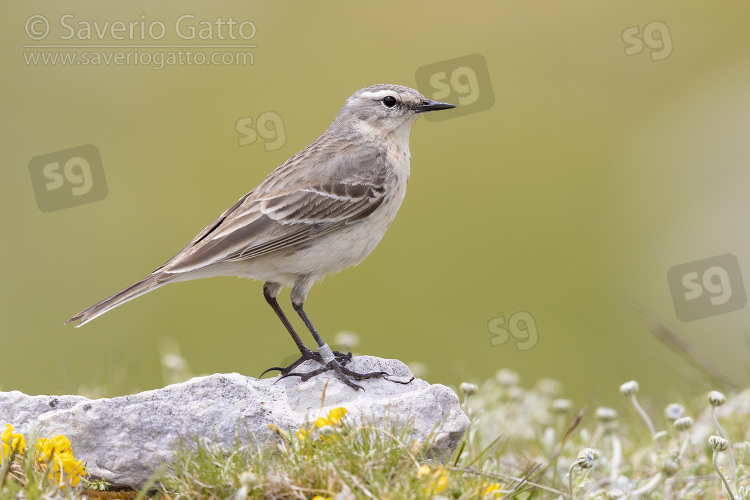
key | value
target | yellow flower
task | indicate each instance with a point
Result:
(58, 452)
(335, 415)
(47, 447)
(438, 480)
(423, 471)
(11, 442)
(491, 490)
(318, 497)
(302, 434)
(333, 418)
(73, 468)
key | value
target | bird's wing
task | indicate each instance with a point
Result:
(289, 213)
(208, 229)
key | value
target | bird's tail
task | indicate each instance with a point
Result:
(135, 290)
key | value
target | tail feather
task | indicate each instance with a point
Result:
(135, 290)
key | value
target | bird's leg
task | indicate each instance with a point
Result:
(329, 359)
(270, 296)
(270, 291)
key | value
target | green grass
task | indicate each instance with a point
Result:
(523, 443)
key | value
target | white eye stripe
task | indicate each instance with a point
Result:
(380, 95)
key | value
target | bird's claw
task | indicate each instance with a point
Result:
(338, 365)
(342, 358)
(342, 373)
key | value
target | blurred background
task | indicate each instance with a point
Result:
(595, 147)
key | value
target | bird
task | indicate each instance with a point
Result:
(321, 211)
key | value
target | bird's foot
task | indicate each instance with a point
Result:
(344, 374)
(307, 354)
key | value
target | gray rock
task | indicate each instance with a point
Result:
(122, 438)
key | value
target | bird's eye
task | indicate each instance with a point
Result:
(389, 101)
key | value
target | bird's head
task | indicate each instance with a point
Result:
(385, 109)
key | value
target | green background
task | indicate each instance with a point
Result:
(592, 174)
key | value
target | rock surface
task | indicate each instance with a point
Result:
(121, 438)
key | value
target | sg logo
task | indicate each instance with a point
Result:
(660, 46)
(464, 81)
(68, 178)
(269, 126)
(707, 287)
(521, 326)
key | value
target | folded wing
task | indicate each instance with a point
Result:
(290, 214)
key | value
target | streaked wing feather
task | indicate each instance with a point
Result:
(303, 225)
(264, 224)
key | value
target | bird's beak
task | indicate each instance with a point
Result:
(430, 105)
